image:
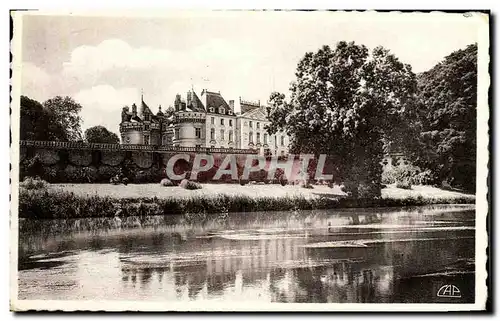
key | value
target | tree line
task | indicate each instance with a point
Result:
(58, 119)
(358, 106)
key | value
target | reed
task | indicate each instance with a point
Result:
(44, 204)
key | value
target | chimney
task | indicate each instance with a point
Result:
(134, 110)
(124, 113)
(231, 104)
(177, 102)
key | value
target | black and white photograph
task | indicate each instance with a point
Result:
(249, 160)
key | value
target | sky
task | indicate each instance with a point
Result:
(105, 62)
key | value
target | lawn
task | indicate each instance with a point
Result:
(252, 191)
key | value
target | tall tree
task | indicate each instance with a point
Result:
(37, 123)
(345, 103)
(100, 134)
(446, 119)
(66, 112)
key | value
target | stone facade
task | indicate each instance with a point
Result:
(145, 128)
(206, 121)
(252, 133)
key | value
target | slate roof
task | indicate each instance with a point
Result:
(198, 106)
(246, 107)
(129, 116)
(215, 100)
(256, 113)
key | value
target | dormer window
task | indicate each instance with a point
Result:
(221, 110)
(230, 112)
(211, 109)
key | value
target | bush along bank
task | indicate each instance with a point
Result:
(42, 204)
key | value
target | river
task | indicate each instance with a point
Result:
(345, 256)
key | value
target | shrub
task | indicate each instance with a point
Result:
(411, 174)
(404, 185)
(166, 182)
(107, 172)
(259, 176)
(425, 178)
(305, 184)
(33, 183)
(242, 181)
(186, 184)
(149, 175)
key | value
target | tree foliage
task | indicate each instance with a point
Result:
(66, 112)
(346, 103)
(445, 119)
(40, 123)
(100, 134)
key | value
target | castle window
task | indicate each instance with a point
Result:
(282, 140)
(176, 131)
(213, 120)
(212, 134)
(230, 135)
(258, 125)
(230, 122)
(198, 132)
(265, 138)
(222, 121)
(222, 134)
(258, 137)
(146, 139)
(250, 137)
(250, 124)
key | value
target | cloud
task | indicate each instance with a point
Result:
(102, 105)
(105, 77)
(113, 54)
(35, 82)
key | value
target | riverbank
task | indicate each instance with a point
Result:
(62, 201)
(256, 190)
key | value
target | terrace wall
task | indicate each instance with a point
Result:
(77, 162)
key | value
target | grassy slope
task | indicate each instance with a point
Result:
(213, 190)
(85, 200)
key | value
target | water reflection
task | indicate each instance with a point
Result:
(343, 256)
